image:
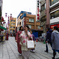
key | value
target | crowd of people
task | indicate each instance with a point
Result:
(24, 34)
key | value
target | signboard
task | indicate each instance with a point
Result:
(54, 26)
(37, 16)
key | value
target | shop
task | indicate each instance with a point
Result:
(2, 33)
(51, 26)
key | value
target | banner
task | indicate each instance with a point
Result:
(5, 14)
(37, 15)
(11, 18)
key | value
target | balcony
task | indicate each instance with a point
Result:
(54, 20)
(43, 13)
(54, 5)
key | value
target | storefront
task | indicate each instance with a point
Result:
(51, 26)
(2, 34)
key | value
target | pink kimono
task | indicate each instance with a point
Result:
(18, 40)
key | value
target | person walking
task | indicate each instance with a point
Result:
(32, 50)
(48, 38)
(55, 41)
(24, 36)
(18, 40)
(7, 35)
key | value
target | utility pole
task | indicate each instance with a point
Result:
(47, 14)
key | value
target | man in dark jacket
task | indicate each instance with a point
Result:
(48, 38)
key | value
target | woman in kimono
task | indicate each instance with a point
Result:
(24, 36)
(18, 40)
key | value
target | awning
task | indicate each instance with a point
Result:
(3, 27)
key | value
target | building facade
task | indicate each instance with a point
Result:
(26, 18)
(1, 2)
(12, 25)
(43, 15)
(53, 12)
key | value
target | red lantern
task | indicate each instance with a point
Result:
(37, 14)
(38, 18)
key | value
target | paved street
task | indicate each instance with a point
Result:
(8, 50)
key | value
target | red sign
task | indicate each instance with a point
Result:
(54, 26)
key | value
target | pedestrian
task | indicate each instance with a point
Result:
(18, 40)
(48, 39)
(55, 41)
(25, 35)
(32, 50)
(7, 35)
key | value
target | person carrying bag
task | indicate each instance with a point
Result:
(26, 39)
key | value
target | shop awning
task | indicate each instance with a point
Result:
(3, 27)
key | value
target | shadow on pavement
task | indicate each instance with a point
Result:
(57, 58)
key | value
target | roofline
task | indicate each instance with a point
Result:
(23, 12)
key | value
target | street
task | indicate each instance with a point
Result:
(8, 50)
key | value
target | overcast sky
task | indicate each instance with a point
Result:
(16, 6)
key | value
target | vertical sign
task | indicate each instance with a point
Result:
(37, 16)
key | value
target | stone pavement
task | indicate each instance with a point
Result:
(8, 50)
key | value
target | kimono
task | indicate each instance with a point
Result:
(18, 40)
(25, 50)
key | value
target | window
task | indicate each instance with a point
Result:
(43, 7)
(10, 30)
(57, 14)
(12, 23)
(54, 15)
(39, 27)
(11, 27)
(11, 20)
(31, 20)
(29, 26)
(44, 18)
(53, 1)
(14, 20)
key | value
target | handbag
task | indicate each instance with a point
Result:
(30, 44)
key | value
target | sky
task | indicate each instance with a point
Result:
(14, 7)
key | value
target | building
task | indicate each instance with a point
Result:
(43, 15)
(2, 21)
(12, 25)
(26, 18)
(0, 9)
(53, 11)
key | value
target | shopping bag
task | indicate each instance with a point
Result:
(30, 44)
